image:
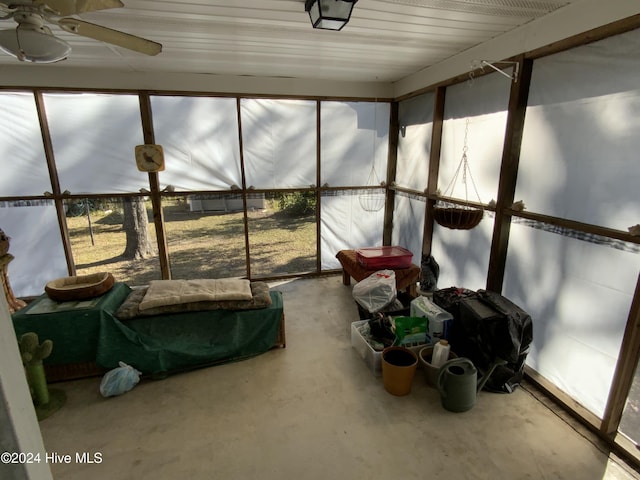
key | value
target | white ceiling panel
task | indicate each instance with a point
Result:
(385, 41)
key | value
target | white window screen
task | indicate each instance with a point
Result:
(279, 143)
(580, 145)
(345, 225)
(22, 159)
(354, 143)
(578, 292)
(199, 136)
(408, 224)
(483, 104)
(463, 255)
(415, 117)
(36, 245)
(94, 138)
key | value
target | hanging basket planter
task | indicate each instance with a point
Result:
(457, 218)
(372, 200)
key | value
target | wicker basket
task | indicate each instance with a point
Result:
(458, 218)
(80, 287)
(73, 371)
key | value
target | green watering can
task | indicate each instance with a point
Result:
(458, 383)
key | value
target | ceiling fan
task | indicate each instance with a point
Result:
(33, 41)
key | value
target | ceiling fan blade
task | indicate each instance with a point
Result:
(108, 35)
(71, 7)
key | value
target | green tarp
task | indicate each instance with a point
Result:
(74, 327)
(154, 345)
(164, 344)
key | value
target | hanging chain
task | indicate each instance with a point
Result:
(465, 161)
(465, 147)
(464, 165)
(372, 200)
(373, 174)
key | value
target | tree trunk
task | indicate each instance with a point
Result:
(135, 225)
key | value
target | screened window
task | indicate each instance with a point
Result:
(99, 238)
(354, 143)
(205, 235)
(578, 289)
(415, 118)
(22, 159)
(475, 121)
(279, 142)
(580, 144)
(199, 136)
(408, 223)
(463, 255)
(35, 244)
(475, 118)
(345, 225)
(94, 138)
(282, 237)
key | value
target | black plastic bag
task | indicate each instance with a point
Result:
(449, 299)
(429, 273)
(381, 329)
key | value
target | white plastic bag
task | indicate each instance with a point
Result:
(376, 291)
(119, 380)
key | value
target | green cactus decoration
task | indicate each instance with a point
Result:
(33, 352)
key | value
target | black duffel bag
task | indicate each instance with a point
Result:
(488, 327)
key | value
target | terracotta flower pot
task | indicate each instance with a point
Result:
(399, 366)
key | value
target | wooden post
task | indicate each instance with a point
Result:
(625, 369)
(508, 175)
(392, 163)
(154, 183)
(434, 168)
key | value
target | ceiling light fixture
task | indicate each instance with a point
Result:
(32, 43)
(329, 14)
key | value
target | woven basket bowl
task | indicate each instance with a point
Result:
(457, 218)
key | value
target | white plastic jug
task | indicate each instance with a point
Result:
(440, 353)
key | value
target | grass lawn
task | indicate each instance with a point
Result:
(200, 244)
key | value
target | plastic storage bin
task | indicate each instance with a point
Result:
(378, 258)
(393, 310)
(372, 357)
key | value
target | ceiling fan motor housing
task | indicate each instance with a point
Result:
(33, 41)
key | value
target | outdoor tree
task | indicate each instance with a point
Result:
(135, 225)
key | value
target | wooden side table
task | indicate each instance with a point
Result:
(15, 304)
(406, 278)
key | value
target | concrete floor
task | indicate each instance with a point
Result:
(313, 411)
